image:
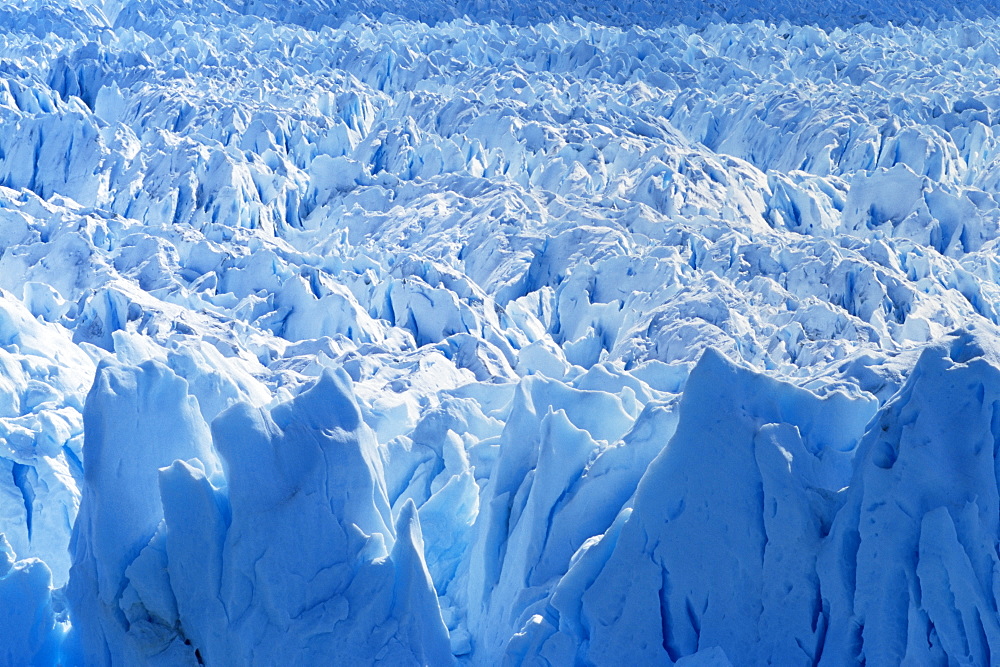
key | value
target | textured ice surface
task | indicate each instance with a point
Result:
(499, 332)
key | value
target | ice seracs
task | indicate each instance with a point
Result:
(136, 420)
(596, 333)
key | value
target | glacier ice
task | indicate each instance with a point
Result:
(499, 332)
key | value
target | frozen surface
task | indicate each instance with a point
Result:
(499, 332)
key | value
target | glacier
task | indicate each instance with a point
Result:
(499, 333)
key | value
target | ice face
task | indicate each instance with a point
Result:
(498, 333)
(27, 620)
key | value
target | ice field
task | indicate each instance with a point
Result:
(499, 333)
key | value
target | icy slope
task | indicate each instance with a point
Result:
(326, 337)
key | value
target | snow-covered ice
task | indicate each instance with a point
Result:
(499, 332)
